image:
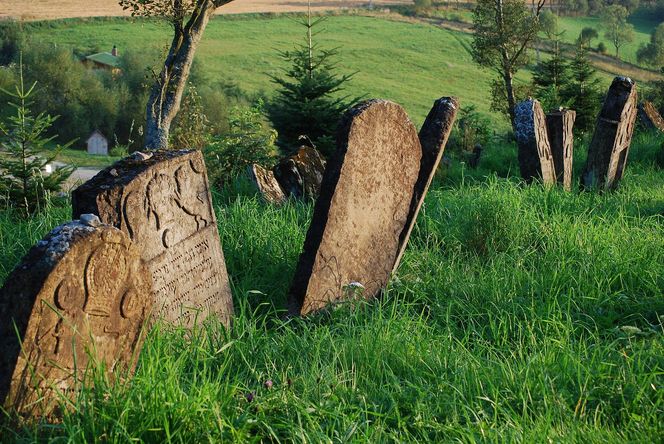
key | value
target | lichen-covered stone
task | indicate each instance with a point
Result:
(267, 184)
(301, 174)
(363, 208)
(560, 130)
(534, 151)
(79, 298)
(650, 116)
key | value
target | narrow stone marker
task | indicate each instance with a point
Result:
(266, 184)
(301, 174)
(77, 300)
(534, 154)
(162, 201)
(608, 150)
(560, 126)
(650, 116)
(433, 137)
(354, 237)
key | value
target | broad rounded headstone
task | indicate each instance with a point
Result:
(267, 184)
(162, 201)
(433, 137)
(608, 150)
(534, 151)
(560, 129)
(364, 204)
(79, 298)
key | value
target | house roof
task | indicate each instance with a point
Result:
(105, 58)
(95, 133)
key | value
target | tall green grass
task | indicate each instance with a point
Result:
(519, 314)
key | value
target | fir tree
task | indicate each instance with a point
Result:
(551, 78)
(24, 156)
(306, 105)
(583, 94)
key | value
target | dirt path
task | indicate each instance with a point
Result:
(54, 9)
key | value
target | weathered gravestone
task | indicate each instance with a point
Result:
(607, 153)
(560, 126)
(301, 174)
(650, 116)
(78, 299)
(266, 184)
(162, 201)
(534, 151)
(363, 207)
(433, 137)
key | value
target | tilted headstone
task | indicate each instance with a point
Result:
(162, 201)
(433, 137)
(266, 184)
(534, 151)
(650, 116)
(365, 199)
(301, 174)
(77, 300)
(607, 153)
(560, 126)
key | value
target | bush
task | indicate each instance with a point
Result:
(601, 48)
(249, 140)
(471, 128)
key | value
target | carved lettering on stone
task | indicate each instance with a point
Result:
(534, 151)
(80, 296)
(560, 126)
(608, 150)
(433, 137)
(162, 201)
(363, 208)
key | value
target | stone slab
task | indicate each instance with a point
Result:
(433, 137)
(301, 174)
(534, 151)
(162, 201)
(650, 116)
(560, 130)
(80, 296)
(267, 184)
(609, 147)
(365, 199)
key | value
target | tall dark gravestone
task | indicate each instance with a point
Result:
(162, 201)
(608, 150)
(560, 129)
(363, 208)
(79, 297)
(433, 137)
(534, 151)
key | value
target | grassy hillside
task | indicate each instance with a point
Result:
(517, 315)
(412, 64)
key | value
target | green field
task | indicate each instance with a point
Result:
(518, 315)
(642, 30)
(412, 64)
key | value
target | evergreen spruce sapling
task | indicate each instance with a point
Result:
(551, 78)
(306, 105)
(24, 156)
(583, 94)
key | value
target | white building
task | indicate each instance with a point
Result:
(97, 144)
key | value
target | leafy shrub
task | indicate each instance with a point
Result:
(601, 48)
(249, 140)
(471, 128)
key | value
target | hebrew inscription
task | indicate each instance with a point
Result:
(364, 204)
(534, 151)
(608, 150)
(560, 126)
(162, 201)
(78, 299)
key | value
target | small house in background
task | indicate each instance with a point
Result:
(97, 144)
(104, 60)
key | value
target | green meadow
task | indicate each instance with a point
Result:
(412, 64)
(519, 314)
